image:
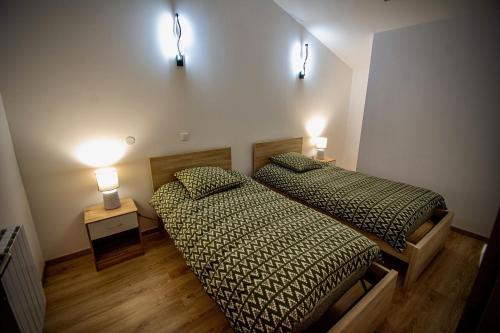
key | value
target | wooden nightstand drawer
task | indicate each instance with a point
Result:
(115, 234)
(112, 226)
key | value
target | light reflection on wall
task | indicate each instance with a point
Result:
(315, 126)
(100, 152)
(295, 58)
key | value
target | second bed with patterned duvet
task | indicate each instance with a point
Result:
(388, 209)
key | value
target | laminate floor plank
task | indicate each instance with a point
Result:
(158, 293)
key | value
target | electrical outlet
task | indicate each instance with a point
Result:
(184, 136)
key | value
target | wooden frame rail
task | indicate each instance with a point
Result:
(421, 247)
(372, 309)
(417, 255)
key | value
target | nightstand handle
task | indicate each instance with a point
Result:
(115, 226)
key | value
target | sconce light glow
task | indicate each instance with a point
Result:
(298, 56)
(315, 126)
(302, 73)
(167, 40)
(100, 153)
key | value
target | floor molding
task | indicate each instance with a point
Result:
(470, 234)
(68, 257)
(157, 230)
(89, 251)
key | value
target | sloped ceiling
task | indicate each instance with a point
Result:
(347, 26)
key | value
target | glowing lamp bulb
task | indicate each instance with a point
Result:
(107, 179)
(321, 142)
(107, 183)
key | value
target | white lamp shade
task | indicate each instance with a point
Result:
(321, 142)
(107, 179)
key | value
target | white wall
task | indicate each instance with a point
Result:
(75, 71)
(14, 206)
(355, 118)
(432, 114)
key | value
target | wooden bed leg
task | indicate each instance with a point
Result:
(426, 249)
(371, 310)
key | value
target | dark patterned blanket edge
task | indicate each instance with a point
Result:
(388, 209)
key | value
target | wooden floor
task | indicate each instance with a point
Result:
(158, 293)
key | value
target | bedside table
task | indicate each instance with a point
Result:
(330, 160)
(115, 234)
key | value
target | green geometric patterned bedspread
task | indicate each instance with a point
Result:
(266, 261)
(388, 209)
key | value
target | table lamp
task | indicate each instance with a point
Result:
(321, 143)
(107, 183)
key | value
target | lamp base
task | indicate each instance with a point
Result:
(111, 199)
(320, 154)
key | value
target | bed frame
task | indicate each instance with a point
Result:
(362, 314)
(421, 246)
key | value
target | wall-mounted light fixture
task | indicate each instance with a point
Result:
(302, 73)
(178, 33)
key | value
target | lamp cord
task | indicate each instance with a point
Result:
(178, 32)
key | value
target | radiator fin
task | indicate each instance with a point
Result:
(21, 283)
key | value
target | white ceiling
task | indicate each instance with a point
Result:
(347, 26)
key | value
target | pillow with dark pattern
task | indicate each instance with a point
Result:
(296, 162)
(168, 197)
(203, 181)
(240, 175)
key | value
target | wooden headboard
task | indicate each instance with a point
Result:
(263, 150)
(163, 168)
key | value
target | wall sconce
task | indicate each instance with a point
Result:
(178, 33)
(302, 73)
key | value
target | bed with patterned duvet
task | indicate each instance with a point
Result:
(271, 264)
(388, 209)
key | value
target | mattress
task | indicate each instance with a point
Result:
(388, 209)
(271, 264)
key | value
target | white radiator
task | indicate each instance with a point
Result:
(20, 282)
